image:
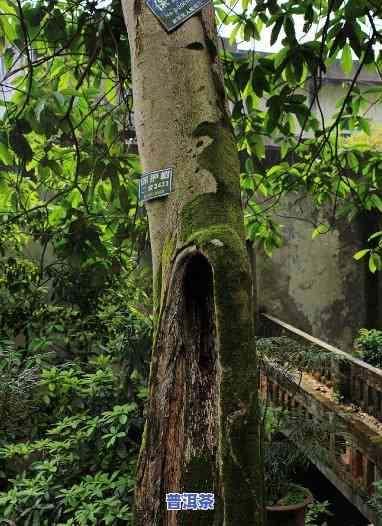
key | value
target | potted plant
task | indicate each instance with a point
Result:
(288, 508)
(286, 501)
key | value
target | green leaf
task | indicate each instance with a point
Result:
(259, 146)
(346, 59)
(364, 125)
(276, 29)
(20, 145)
(123, 419)
(7, 24)
(376, 201)
(289, 73)
(259, 81)
(220, 13)
(59, 98)
(249, 30)
(5, 156)
(375, 262)
(249, 167)
(111, 131)
(33, 15)
(242, 76)
(355, 8)
(6, 7)
(321, 229)
(8, 57)
(74, 198)
(289, 29)
(4, 148)
(91, 92)
(55, 28)
(361, 253)
(71, 92)
(355, 42)
(376, 234)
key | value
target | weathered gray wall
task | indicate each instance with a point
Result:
(316, 285)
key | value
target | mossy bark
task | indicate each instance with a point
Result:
(202, 429)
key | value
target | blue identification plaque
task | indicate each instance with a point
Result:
(155, 184)
(172, 13)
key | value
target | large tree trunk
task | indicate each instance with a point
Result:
(202, 429)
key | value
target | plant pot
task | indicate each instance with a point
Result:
(288, 515)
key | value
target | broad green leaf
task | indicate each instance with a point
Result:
(259, 147)
(289, 29)
(8, 26)
(20, 145)
(276, 29)
(234, 33)
(9, 57)
(6, 7)
(321, 229)
(284, 148)
(220, 13)
(376, 201)
(71, 92)
(74, 198)
(354, 8)
(346, 59)
(375, 262)
(361, 253)
(365, 125)
(5, 155)
(375, 235)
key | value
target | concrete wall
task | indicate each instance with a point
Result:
(316, 285)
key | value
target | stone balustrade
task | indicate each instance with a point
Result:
(354, 459)
(354, 380)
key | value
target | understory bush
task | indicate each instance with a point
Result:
(369, 346)
(73, 386)
(376, 501)
(316, 512)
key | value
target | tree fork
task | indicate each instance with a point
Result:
(202, 428)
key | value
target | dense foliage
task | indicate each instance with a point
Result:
(278, 97)
(369, 346)
(376, 500)
(69, 171)
(71, 400)
(71, 236)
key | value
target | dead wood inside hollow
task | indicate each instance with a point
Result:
(199, 326)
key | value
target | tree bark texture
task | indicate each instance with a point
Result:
(202, 428)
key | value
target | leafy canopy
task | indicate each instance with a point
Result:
(68, 168)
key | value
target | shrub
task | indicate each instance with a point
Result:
(369, 344)
(72, 400)
(317, 510)
(376, 500)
